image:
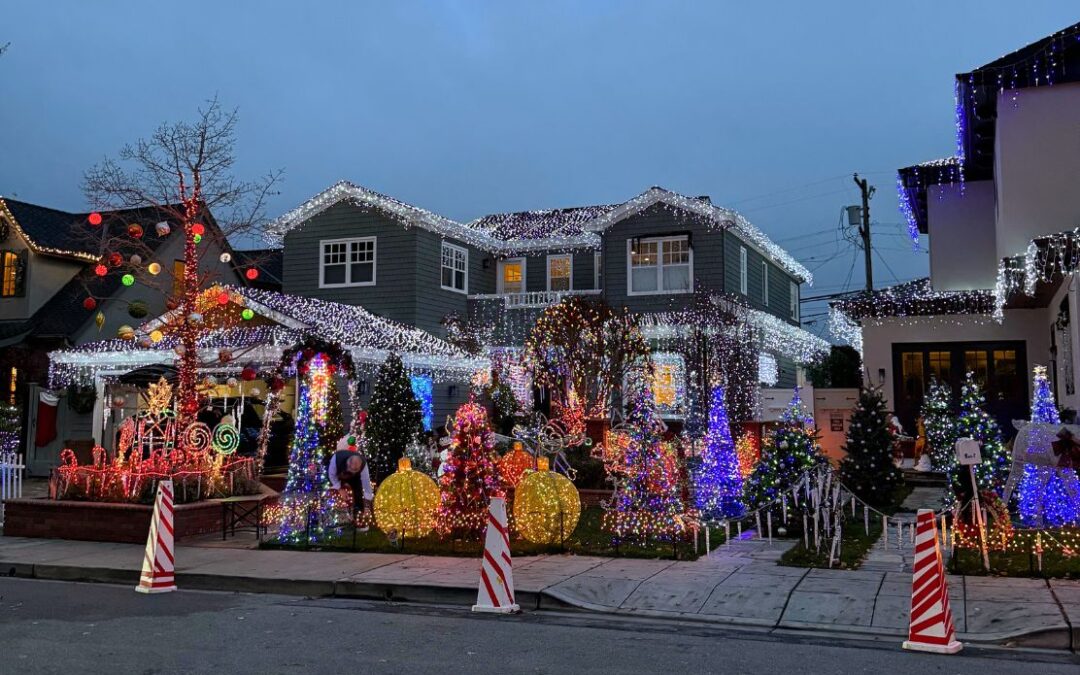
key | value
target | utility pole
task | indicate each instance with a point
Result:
(864, 230)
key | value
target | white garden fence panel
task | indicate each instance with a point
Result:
(11, 478)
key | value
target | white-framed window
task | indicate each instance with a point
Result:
(659, 265)
(764, 283)
(347, 262)
(455, 268)
(560, 272)
(511, 275)
(596, 269)
(793, 299)
(743, 286)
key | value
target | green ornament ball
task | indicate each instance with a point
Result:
(127, 279)
(247, 314)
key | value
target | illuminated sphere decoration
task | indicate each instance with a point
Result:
(101, 270)
(127, 279)
(252, 274)
(546, 506)
(94, 219)
(154, 268)
(514, 464)
(247, 314)
(406, 502)
(126, 333)
(225, 257)
(198, 229)
(197, 238)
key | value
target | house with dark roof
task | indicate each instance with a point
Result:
(51, 296)
(355, 246)
(1000, 216)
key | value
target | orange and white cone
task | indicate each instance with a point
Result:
(158, 566)
(496, 571)
(932, 627)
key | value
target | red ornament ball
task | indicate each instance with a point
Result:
(277, 384)
(252, 274)
(94, 219)
(101, 270)
(89, 304)
(198, 229)
(248, 373)
(223, 298)
(135, 231)
(116, 260)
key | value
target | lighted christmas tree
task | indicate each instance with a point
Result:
(974, 422)
(309, 509)
(868, 469)
(646, 504)
(718, 483)
(791, 451)
(394, 417)
(470, 477)
(940, 423)
(1043, 497)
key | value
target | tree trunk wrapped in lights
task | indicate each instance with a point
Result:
(470, 477)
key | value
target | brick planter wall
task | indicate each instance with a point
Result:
(96, 521)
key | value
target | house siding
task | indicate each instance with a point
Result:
(395, 292)
(432, 301)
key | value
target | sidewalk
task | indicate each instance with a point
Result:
(739, 584)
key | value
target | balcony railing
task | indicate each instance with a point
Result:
(533, 299)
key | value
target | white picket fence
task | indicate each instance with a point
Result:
(11, 478)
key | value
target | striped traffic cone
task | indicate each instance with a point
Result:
(496, 571)
(932, 627)
(158, 565)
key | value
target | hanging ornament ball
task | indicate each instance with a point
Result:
(179, 349)
(406, 502)
(247, 314)
(128, 279)
(89, 304)
(162, 229)
(223, 298)
(154, 268)
(210, 381)
(546, 506)
(232, 382)
(101, 270)
(198, 229)
(197, 239)
(135, 259)
(156, 336)
(144, 342)
(138, 309)
(252, 274)
(94, 219)
(195, 319)
(514, 464)
(225, 257)
(126, 332)
(781, 531)
(118, 401)
(135, 231)
(115, 259)
(248, 373)
(224, 355)
(277, 384)
(351, 440)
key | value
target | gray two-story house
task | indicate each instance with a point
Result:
(649, 254)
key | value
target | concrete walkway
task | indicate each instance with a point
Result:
(739, 584)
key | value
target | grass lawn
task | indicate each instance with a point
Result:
(855, 541)
(588, 539)
(1020, 561)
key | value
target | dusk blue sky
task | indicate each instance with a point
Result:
(468, 108)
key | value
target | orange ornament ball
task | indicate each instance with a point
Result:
(514, 464)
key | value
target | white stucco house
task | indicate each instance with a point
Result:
(1001, 218)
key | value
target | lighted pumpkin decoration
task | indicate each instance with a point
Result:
(546, 506)
(406, 502)
(514, 464)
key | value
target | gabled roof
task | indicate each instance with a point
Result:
(548, 229)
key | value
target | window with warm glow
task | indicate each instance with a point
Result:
(560, 269)
(512, 278)
(9, 274)
(664, 394)
(178, 278)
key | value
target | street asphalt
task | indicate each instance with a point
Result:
(60, 627)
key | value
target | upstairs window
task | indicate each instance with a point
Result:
(560, 270)
(512, 275)
(793, 300)
(743, 285)
(455, 268)
(12, 274)
(347, 262)
(660, 265)
(596, 270)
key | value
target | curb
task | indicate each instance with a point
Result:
(1061, 639)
